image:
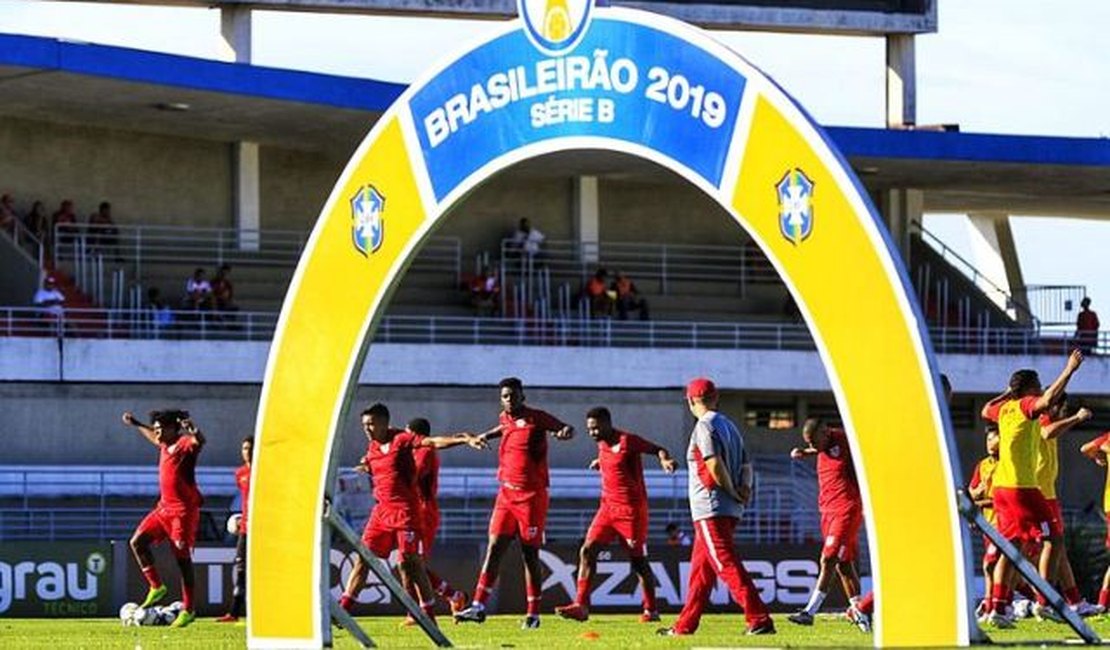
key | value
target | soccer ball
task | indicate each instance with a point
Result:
(127, 614)
(168, 614)
(233, 523)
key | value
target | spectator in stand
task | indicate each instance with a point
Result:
(485, 289)
(7, 214)
(675, 536)
(1086, 327)
(161, 316)
(50, 300)
(527, 239)
(628, 297)
(223, 292)
(198, 292)
(597, 293)
(38, 223)
(64, 222)
(103, 234)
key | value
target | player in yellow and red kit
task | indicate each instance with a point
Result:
(1098, 450)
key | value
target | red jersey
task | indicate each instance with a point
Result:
(393, 470)
(522, 457)
(243, 481)
(427, 476)
(177, 481)
(838, 489)
(622, 470)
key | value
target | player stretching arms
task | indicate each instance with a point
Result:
(1098, 450)
(1022, 511)
(395, 522)
(1053, 423)
(178, 511)
(841, 515)
(623, 510)
(521, 506)
(720, 478)
(427, 488)
(243, 480)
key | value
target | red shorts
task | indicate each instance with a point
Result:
(840, 531)
(429, 526)
(1024, 515)
(1057, 514)
(629, 524)
(393, 528)
(178, 526)
(520, 512)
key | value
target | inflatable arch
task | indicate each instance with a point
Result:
(619, 80)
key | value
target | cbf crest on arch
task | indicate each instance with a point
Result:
(555, 26)
(367, 223)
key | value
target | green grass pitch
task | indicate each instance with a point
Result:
(601, 632)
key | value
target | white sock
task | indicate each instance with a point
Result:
(854, 601)
(815, 601)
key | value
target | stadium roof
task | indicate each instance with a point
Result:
(78, 83)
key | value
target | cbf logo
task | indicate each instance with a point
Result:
(795, 192)
(367, 228)
(555, 26)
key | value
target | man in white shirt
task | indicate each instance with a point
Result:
(49, 299)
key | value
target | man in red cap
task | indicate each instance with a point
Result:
(720, 477)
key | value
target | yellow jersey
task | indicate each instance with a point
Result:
(1019, 443)
(984, 475)
(1048, 467)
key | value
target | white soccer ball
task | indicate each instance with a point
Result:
(147, 616)
(127, 614)
(233, 523)
(168, 614)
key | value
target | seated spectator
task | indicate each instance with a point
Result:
(223, 292)
(597, 293)
(64, 223)
(50, 300)
(628, 298)
(38, 223)
(161, 316)
(485, 290)
(527, 239)
(675, 536)
(103, 234)
(198, 292)
(8, 217)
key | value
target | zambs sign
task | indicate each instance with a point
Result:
(55, 580)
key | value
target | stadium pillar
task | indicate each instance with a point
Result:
(996, 256)
(235, 30)
(247, 196)
(901, 208)
(901, 81)
(587, 216)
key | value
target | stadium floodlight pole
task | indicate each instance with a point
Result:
(1028, 571)
(381, 570)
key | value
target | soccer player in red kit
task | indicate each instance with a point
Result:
(177, 513)
(427, 487)
(243, 482)
(521, 506)
(841, 510)
(622, 513)
(396, 522)
(1098, 450)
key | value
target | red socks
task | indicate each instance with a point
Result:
(649, 599)
(485, 585)
(1104, 598)
(346, 602)
(533, 599)
(583, 597)
(867, 603)
(151, 575)
(1000, 598)
(187, 596)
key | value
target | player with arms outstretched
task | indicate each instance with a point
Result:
(396, 522)
(841, 510)
(427, 487)
(177, 513)
(1024, 515)
(521, 506)
(622, 513)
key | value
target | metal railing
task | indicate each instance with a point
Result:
(26, 241)
(1056, 305)
(561, 332)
